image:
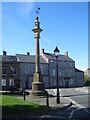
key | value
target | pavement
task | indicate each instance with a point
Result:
(51, 101)
(64, 103)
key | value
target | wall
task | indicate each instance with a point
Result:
(29, 76)
(8, 65)
(79, 79)
(66, 73)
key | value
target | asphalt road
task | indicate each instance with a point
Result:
(80, 98)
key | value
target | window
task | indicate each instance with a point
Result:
(53, 72)
(51, 61)
(3, 82)
(11, 82)
(71, 80)
(15, 71)
(26, 69)
(60, 72)
(63, 72)
(65, 63)
(60, 63)
(70, 64)
(71, 72)
(4, 70)
(41, 68)
(68, 72)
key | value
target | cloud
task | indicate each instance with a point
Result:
(46, 40)
(24, 9)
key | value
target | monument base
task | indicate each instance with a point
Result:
(38, 88)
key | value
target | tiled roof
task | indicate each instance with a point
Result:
(60, 57)
(8, 58)
(77, 70)
(29, 58)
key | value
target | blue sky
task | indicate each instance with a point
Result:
(64, 25)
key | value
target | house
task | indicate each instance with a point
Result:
(87, 72)
(66, 69)
(24, 68)
(79, 76)
(10, 71)
(27, 70)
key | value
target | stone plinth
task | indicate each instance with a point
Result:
(38, 88)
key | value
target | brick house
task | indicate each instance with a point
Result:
(10, 71)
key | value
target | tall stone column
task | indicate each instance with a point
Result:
(38, 85)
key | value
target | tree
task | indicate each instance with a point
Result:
(86, 80)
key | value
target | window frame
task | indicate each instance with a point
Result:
(26, 70)
(54, 72)
(10, 84)
(16, 70)
(41, 69)
(2, 70)
(3, 82)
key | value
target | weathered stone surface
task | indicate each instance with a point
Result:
(38, 87)
(38, 77)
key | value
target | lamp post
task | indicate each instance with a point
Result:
(56, 52)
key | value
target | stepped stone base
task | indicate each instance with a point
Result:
(38, 88)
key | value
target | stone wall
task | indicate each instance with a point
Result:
(66, 73)
(27, 77)
(79, 79)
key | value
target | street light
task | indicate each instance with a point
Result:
(56, 52)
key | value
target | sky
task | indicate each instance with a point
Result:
(64, 24)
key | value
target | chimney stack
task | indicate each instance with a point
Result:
(42, 51)
(66, 53)
(4, 52)
(28, 53)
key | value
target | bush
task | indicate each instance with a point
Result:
(86, 80)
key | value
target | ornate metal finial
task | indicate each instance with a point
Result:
(37, 11)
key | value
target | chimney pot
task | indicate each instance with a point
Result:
(66, 53)
(28, 53)
(42, 51)
(4, 52)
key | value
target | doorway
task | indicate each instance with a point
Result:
(26, 84)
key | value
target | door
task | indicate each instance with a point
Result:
(66, 83)
(26, 84)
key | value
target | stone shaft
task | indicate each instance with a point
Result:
(37, 56)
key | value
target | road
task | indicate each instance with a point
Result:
(80, 102)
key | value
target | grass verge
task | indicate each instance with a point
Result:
(17, 107)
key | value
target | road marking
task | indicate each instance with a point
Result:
(55, 91)
(70, 117)
(82, 89)
(78, 105)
